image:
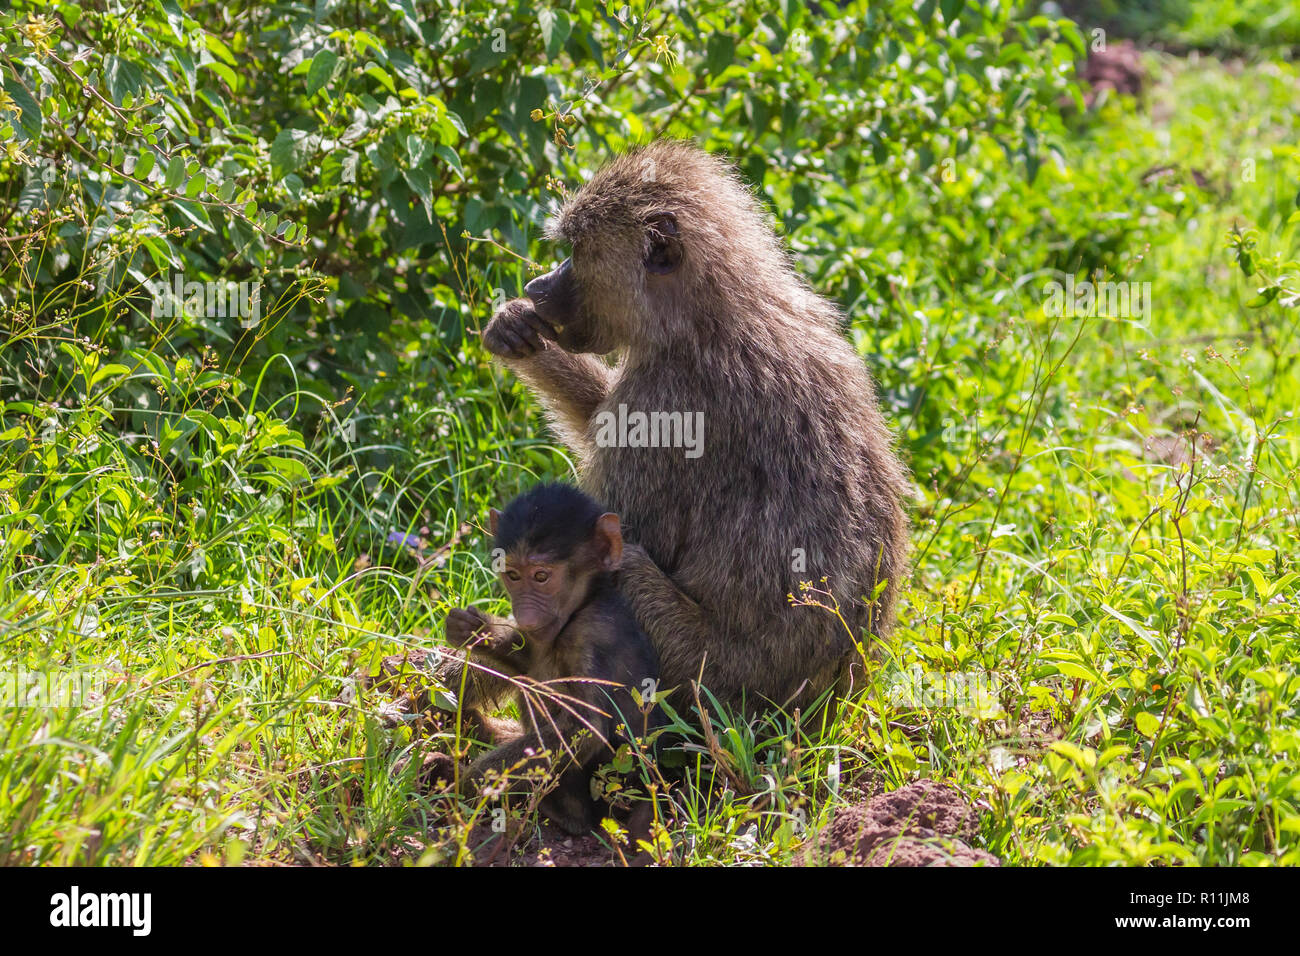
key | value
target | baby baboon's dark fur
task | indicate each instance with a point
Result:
(574, 659)
(675, 267)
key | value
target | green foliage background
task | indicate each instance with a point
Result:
(204, 515)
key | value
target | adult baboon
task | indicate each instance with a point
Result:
(675, 266)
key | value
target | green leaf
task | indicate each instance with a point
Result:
(1077, 671)
(719, 53)
(144, 165)
(321, 70)
(409, 17)
(195, 213)
(421, 184)
(1148, 725)
(175, 172)
(418, 150)
(225, 72)
(288, 151)
(175, 18)
(556, 27)
(291, 468)
(380, 74)
(122, 77)
(218, 47)
(29, 118)
(450, 157)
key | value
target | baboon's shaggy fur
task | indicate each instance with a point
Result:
(797, 456)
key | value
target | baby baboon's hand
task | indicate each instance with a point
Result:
(437, 771)
(517, 331)
(464, 624)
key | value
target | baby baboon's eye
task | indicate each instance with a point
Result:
(541, 576)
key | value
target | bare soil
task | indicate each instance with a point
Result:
(922, 824)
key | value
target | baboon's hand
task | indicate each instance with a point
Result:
(636, 558)
(517, 331)
(437, 771)
(638, 570)
(464, 624)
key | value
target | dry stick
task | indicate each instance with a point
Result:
(528, 689)
(1250, 485)
(1180, 504)
(219, 660)
(1020, 457)
(720, 756)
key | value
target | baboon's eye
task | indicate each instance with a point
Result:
(512, 574)
(665, 248)
(541, 576)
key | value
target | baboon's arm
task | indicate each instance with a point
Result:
(655, 596)
(686, 635)
(503, 647)
(493, 655)
(696, 644)
(570, 386)
(547, 746)
(569, 803)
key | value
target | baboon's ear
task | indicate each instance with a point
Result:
(494, 519)
(609, 539)
(665, 246)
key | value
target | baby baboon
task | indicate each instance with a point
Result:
(673, 265)
(574, 657)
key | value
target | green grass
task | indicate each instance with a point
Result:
(1222, 24)
(1098, 644)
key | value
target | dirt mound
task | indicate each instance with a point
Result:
(921, 824)
(544, 846)
(1117, 67)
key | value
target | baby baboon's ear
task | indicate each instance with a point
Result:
(664, 244)
(609, 538)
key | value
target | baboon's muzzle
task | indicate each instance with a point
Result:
(553, 294)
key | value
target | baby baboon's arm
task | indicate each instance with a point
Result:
(493, 643)
(488, 636)
(553, 747)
